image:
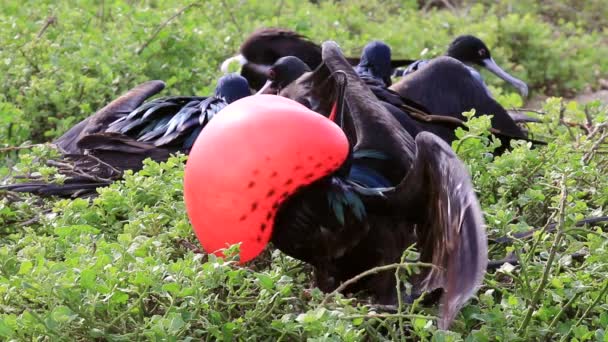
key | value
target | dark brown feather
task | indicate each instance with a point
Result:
(98, 122)
(433, 203)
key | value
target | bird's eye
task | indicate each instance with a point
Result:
(482, 52)
(271, 74)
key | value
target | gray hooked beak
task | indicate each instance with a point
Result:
(267, 89)
(496, 70)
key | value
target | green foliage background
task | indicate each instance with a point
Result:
(121, 267)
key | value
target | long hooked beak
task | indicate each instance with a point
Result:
(496, 70)
(268, 89)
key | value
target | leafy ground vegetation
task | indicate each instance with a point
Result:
(125, 265)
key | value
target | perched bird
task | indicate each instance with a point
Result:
(471, 50)
(282, 73)
(176, 121)
(266, 45)
(121, 135)
(427, 103)
(344, 194)
(446, 87)
(375, 62)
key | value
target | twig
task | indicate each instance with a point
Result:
(597, 129)
(22, 147)
(556, 243)
(373, 271)
(563, 309)
(232, 18)
(580, 320)
(51, 20)
(588, 116)
(399, 299)
(589, 154)
(387, 315)
(163, 25)
(562, 112)
(189, 245)
(549, 228)
(511, 259)
(279, 9)
(528, 110)
(29, 60)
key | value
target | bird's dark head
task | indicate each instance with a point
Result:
(469, 50)
(376, 59)
(232, 87)
(253, 156)
(284, 71)
(472, 50)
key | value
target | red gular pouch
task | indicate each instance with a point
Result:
(247, 161)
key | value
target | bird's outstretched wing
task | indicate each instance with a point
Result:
(438, 195)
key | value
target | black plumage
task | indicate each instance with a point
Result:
(265, 46)
(124, 133)
(434, 98)
(471, 50)
(392, 192)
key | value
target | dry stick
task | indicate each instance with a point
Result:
(399, 299)
(389, 315)
(580, 320)
(52, 20)
(562, 310)
(372, 271)
(22, 147)
(232, 18)
(588, 116)
(279, 9)
(562, 112)
(29, 60)
(548, 228)
(587, 157)
(163, 25)
(556, 243)
(597, 129)
(528, 110)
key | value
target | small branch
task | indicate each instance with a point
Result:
(562, 310)
(556, 243)
(389, 315)
(373, 271)
(528, 110)
(588, 116)
(189, 245)
(51, 20)
(232, 18)
(22, 147)
(597, 300)
(597, 129)
(549, 228)
(589, 154)
(29, 60)
(163, 25)
(280, 8)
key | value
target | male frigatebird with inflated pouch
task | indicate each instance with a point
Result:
(338, 184)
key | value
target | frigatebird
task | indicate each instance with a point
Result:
(429, 103)
(471, 50)
(344, 194)
(281, 74)
(122, 134)
(266, 45)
